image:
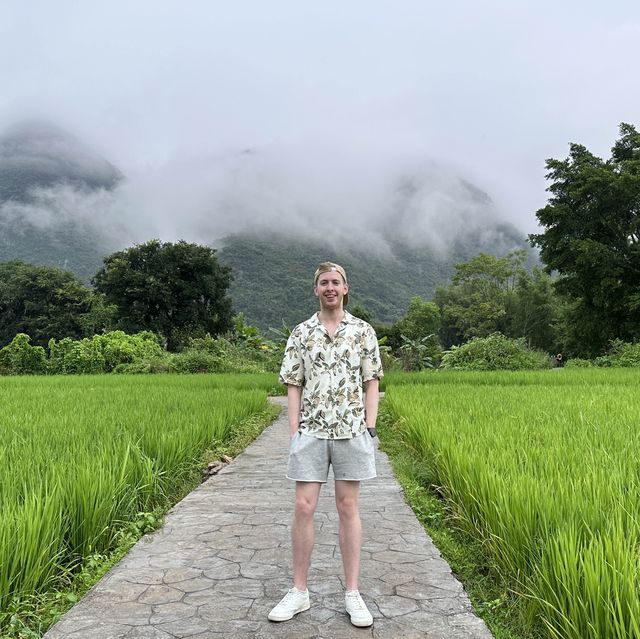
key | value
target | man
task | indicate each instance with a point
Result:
(328, 361)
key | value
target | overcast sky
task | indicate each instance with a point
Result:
(488, 88)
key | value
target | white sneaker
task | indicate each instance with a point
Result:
(357, 609)
(292, 603)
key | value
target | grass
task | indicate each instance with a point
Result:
(91, 463)
(537, 474)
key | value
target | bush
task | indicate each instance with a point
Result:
(20, 358)
(103, 353)
(495, 352)
(195, 361)
(578, 362)
(75, 357)
(621, 354)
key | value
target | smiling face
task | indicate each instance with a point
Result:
(330, 289)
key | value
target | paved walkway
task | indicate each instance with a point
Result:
(222, 560)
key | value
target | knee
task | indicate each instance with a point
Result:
(305, 507)
(347, 506)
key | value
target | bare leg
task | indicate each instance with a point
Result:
(303, 530)
(350, 533)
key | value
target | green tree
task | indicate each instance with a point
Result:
(358, 310)
(20, 358)
(592, 240)
(176, 290)
(41, 301)
(537, 310)
(422, 319)
(481, 297)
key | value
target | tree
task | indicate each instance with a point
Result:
(422, 319)
(537, 311)
(592, 240)
(176, 290)
(481, 297)
(41, 301)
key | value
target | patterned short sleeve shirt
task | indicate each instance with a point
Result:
(331, 372)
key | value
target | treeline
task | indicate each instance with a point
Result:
(177, 291)
(584, 303)
(241, 350)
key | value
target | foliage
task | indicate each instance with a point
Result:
(480, 298)
(92, 467)
(578, 362)
(418, 354)
(382, 282)
(105, 353)
(536, 310)
(20, 358)
(176, 290)
(620, 354)
(421, 319)
(592, 239)
(41, 301)
(491, 294)
(359, 311)
(540, 468)
(495, 352)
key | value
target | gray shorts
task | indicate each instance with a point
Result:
(352, 459)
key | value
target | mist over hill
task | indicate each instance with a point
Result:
(397, 223)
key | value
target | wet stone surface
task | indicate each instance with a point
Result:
(223, 560)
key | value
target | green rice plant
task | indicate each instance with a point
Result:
(543, 468)
(82, 457)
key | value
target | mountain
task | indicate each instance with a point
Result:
(273, 274)
(42, 170)
(398, 232)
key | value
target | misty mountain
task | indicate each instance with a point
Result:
(398, 228)
(37, 154)
(44, 171)
(273, 273)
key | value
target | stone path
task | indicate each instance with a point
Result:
(222, 560)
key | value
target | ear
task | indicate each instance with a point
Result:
(315, 291)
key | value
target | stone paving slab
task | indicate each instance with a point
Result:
(222, 561)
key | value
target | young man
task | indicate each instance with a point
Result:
(329, 360)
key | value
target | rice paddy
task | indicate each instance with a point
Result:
(82, 456)
(544, 469)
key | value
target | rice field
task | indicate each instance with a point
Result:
(82, 456)
(543, 468)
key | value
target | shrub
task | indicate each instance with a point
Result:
(621, 354)
(195, 361)
(75, 357)
(578, 362)
(103, 353)
(20, 358)
(495, 352)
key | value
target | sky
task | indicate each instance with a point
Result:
(333, 98)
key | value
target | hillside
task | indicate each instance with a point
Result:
(273, 274)
(40, 166)
(399, 240)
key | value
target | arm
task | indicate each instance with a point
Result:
(371, 399)
(294, 398)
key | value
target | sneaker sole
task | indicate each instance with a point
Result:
(291, 616)
(361, 625)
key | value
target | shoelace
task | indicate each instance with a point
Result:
(290, 595)
(357, 600)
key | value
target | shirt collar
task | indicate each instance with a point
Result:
(314, 320)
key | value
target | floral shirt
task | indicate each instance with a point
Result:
(331, 372)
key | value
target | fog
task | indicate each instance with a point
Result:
(330, 119)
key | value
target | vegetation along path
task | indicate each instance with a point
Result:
(222, 560)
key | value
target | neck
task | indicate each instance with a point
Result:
(333, 315)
